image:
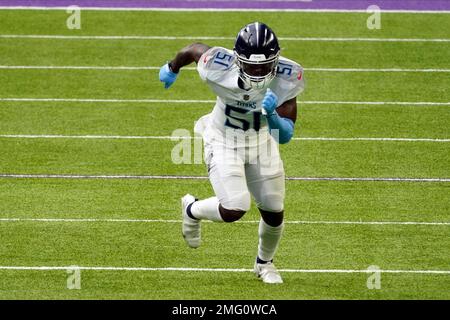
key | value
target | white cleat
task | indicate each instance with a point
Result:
(190, 227)
(267, 272)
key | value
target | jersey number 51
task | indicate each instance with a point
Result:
(236, 120)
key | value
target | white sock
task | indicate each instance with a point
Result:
(269, 237)
(207, 209)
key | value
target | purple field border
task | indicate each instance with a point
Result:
(403, 5)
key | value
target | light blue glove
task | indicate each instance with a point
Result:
(270, 102)
(279, 127)
(167, 76)
(285, 127)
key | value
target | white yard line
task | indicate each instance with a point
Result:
(35, 136)
(72, 176)
(402, 103)
(86, 220)
(111, 37)
(136, 37)
(231, 270)
(373, 139)
(105, 100)
(165, 177)
(369, 179)
(132, 68)
(84, 68)
(119, 137)
(382, 70)
(221, 10)
(169, 101)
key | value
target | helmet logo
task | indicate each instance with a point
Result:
(257, 57)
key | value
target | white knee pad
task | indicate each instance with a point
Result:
(237, 201)
(272, 202)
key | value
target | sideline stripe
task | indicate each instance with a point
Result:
(399, 223)
(113, 137)
(223, 9)
(383, 70)
(152, 177)
(45, 268)
(327, 39)
(414, 103)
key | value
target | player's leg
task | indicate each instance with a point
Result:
(266, 182)
(231, 200)
(269, 194)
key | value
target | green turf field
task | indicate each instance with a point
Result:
(134, 223)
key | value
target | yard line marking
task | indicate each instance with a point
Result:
(412, 103)
(36, 136)
(372, 139)
(378, 103)
(376, 223)
(313, 69)
(232, 270)
(136, 37)
(369, 179)
(87, 220)
(118, 137)
(93, 8)
(105, 100)
(63, 176)
(85, 68)
(166, 177)
(374, 70)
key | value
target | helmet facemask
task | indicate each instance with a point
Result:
(257, 71)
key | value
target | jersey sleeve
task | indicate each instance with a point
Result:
(214, 63)
(291, 80)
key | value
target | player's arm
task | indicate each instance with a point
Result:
(187, 55)
(281, 118)
(288, 109)
(192, 53)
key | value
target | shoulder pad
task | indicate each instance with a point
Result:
(217, 58)
(289, 70)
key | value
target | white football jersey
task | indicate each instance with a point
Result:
(235, 107)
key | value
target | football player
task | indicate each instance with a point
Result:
(255, 110)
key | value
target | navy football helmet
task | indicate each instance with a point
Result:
(257, 53)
